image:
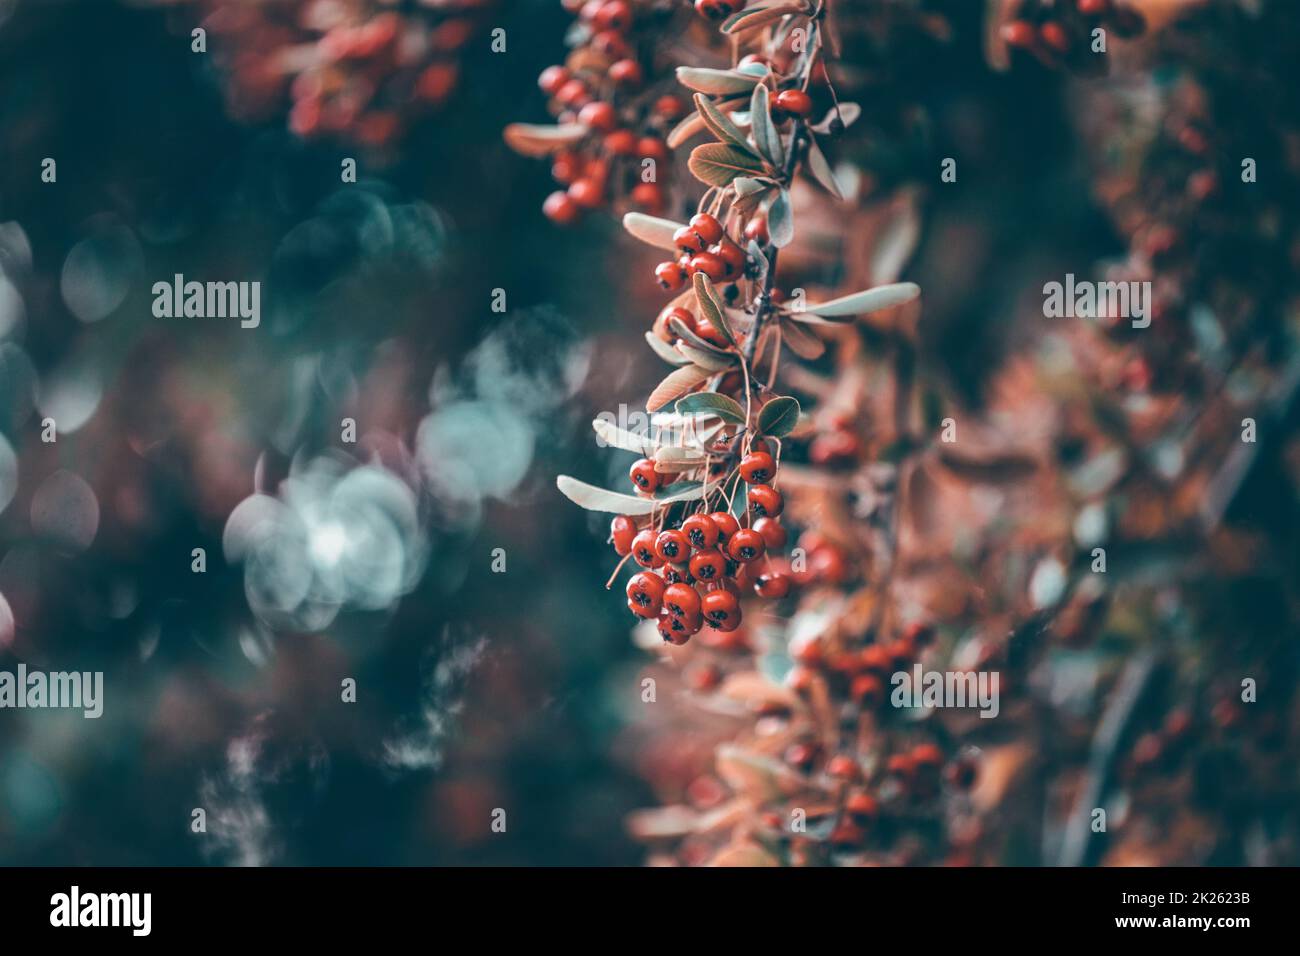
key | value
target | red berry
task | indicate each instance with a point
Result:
(669, 107)
(711, 265)
(552, 78)
(746, 545)
(671, 276)
(772, 586)
(720, 609)
(733, 259)
(772, 532)
(710, 332)
(599, 115)
(717, 9)
(621, 142)
(626, 73)
(560, 209)
(862, 805)
(1093, 8)
(726, 523)
(674, 630)
(672, 546)
(682, 600)
(645, 594)
(1019, 33)
(701, 531)
(927, 755)
(613, 15)
(794, 102)
(587, 193)
(757, 468)
(868, 690)
(688, 240)
(756, 229)
(573, 94)
(612, 44)
(842, 767)
(643, 550)
(766, 501)
(648, 196)
(708, 227)
(566, 168)
(652, 147)
(675, 573)
(708, 565)
(1055, 36)
(622, 529)
(643, 475)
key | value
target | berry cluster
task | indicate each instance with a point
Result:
(697, 567)
(614, 145)
(1059, 35)
(360, 70)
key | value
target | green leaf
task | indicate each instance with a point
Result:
(664, 350)
(712, 307)
(780, 220)
(748, 186)
(821, 170)
(711, 359)
(766, 137)
(720, 125)
(611, 436)
(715, 82)
(712, 403)
(677, 384)
(529, 139)
(752, 19)
(652, 230)
(778, 417)
(601, 499)
(718, 164)
(871, 300)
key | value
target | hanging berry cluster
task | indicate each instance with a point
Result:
(1063, 35)
(359, 69)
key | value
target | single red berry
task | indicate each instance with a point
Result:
(586, 193)
(672, 546)
(772, 586)
(1093, 8)
(766, 501)
(573, 94)
(746, 545)
(708, 227)
(757, 468)
(652, 147)
(711, 265)
(1019, 33)
(621, 142)
(756, 229)
(710, 332)
(842, 767)
(669, 107)
(560, 209)
(643, 475)
(701, 531)
(901, 766)
(868, 690)
(733, 258)
(566, 168)
(682, 600)
(677, 574)
(773, 533)
(598, 115)
(612, 44)
(1055, 36)
(613, 15)
(716, 10)
(726, 523)
(862, 805)
(800, 755)
(674, 630)
(708, 565)
(671, 276)
(622, 529)
(552, 78)
(927, 755)
(794, 102)
(645, 594)
(643, 550)
(688, 240)
(626, 73)
(720, 607)
(648, 196)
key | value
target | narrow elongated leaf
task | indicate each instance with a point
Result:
(677, 384)
(766, 137)
(712, 360)
(752, 19)
(711, 306)
(872, 300)
(821, 170)
(717, 164)
(664, 350)
(778, 417)
(715, 82)
(530, 139)
(723, 406)
(748, 186)
(812, 318)
(847, 114)
(801, 342)
(652, 230)
(611, 436)
(602, 499)
(672, 458)
(780, 220)
(720, 125)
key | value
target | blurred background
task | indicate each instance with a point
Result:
(372, 559)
